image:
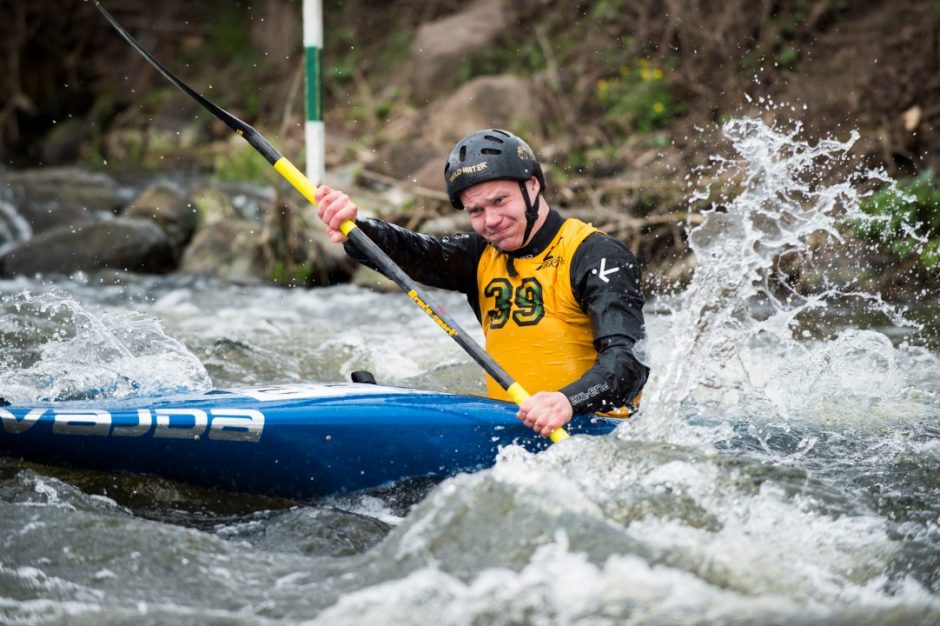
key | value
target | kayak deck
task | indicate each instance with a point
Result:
(288, 440)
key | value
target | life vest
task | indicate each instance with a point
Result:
(534, 327)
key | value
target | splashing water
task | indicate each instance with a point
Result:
(726, 351)
(53, 348)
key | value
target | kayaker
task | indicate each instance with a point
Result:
(559, 301)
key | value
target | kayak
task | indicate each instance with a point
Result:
(296, 441)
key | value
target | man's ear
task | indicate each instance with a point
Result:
(534, 187)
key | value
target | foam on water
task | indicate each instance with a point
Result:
(567, 549)
(234, 335)
(262, 335)
(612, 531)
(559, 587)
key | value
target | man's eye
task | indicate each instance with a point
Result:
(499, 200)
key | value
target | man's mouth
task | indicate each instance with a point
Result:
(499, 234)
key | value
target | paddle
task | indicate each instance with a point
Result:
(388, 267)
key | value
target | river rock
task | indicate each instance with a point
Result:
(440, 47)
(456, 222)
(368, 278)
(75, 186)
(133, 245)
(296, 253)
(169, 207)
(502, 101)
(48, 215)
(248, 200)
(431, 174)
(328, 262)
(64, 142)
(401, 159)
(60, 196)
(284, 250)
(212, 206)
(226, 248)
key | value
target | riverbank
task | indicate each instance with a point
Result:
(80, 219)
(624, 104)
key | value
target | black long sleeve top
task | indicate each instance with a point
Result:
(612, 300)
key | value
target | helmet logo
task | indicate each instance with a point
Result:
(523, 154)
(467, 169)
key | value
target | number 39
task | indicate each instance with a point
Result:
(527, 299)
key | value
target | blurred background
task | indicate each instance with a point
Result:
(622, 100)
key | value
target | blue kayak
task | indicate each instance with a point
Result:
(296, 441)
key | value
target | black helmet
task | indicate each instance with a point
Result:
(485, 155)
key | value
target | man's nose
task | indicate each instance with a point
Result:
(492, 218)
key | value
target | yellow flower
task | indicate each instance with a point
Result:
(657, 73)
(658, 107)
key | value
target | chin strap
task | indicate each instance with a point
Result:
(531, 215)
(531, 211)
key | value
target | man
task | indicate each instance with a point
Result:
(559, 301)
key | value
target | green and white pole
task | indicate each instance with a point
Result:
(315, 133)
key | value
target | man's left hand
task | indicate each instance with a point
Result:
(545, 412)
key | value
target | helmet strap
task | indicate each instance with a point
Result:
(531, 216)
(531, 211)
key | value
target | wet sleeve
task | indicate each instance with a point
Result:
(605, 279)
(444, 263)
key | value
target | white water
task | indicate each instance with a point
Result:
(781, 470)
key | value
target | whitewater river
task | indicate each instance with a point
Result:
(783, 470)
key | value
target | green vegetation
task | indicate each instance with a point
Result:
(340, 44)
(242, 163)
(638, 98)
(357, 70)
(906, 217)
(290, 276)
(525, 59)
(225, 47)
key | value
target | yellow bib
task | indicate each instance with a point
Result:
(534, 327)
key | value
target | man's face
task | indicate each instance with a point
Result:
(497, 211)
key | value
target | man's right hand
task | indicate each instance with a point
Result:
(545, 412)
(334, 207)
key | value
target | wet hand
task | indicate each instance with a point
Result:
(545, 412)
(334, 207)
